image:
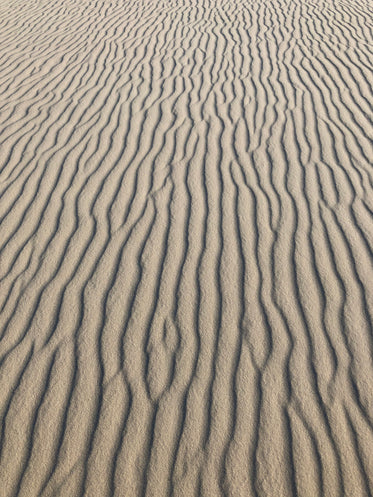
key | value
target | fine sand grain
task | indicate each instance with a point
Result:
(186, 236)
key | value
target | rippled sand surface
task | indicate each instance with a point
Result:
(186, 236)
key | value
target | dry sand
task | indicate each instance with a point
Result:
(186, 206)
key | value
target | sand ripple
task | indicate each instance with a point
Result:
(186, 236)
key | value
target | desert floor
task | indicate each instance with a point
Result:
(186, 237)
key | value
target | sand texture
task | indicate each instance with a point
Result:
(186, 236)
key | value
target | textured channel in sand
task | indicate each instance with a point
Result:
(186, 202)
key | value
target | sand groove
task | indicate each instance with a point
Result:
(186, 201)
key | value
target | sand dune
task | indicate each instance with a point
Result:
(186, 236)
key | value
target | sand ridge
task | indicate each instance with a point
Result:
(186, 248)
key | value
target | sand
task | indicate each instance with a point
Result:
(186, 236)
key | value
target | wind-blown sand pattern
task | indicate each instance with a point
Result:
(186, 248)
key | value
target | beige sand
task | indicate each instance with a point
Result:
(186, 203)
